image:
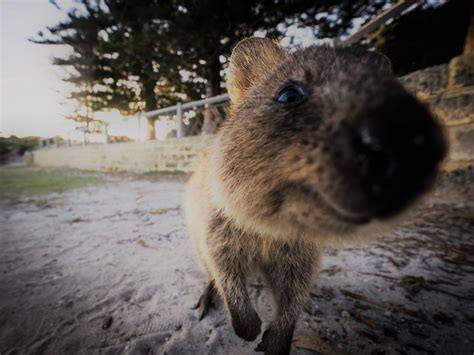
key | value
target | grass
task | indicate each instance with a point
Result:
(164, 173)
(24, 181)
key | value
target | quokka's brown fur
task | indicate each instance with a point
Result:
(280, 180)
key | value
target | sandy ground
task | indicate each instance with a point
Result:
(109, 269)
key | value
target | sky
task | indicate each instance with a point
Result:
(32, 94)
(31, 87)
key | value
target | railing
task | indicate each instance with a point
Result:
(180, 107)
(379, 20)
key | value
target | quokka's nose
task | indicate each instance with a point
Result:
(396, 149)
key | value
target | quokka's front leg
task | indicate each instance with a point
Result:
(289, 275)
(230, 268)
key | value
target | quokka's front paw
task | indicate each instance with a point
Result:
(275, 343)
(246, 326)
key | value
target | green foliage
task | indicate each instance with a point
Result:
(164, 173)
(14, 147)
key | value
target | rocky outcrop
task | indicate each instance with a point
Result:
(448, 89)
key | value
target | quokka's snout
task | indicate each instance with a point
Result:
(389, 153)
(328, 138)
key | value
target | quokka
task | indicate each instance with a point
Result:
(321, 145)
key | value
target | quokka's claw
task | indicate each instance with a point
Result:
(262, 346)
(206, 300)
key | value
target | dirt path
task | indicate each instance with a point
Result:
(109, 269)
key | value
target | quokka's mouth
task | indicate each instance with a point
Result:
(335, 211)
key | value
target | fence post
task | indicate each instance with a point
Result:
(139, 128)
(179, 120)
(106, 131)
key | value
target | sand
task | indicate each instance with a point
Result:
(109, 269)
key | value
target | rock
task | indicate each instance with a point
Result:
(427, 82)
(461, 71)
(454, 109)
(461, 140)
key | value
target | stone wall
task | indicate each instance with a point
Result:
(448, 89)
(169, 155)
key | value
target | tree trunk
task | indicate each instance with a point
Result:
(151, 128)
(469, 42)
(212, 116)
(150, 105)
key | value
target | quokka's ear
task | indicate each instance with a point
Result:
(375, 59)
(251, 59)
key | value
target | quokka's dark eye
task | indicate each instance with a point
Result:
(291, 94)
